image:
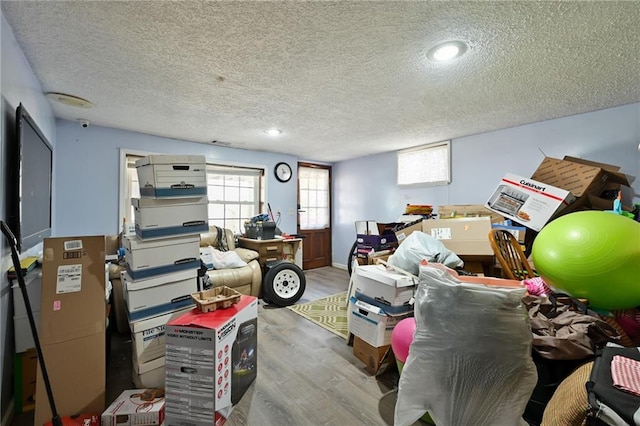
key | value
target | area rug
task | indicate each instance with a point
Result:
(329, 313)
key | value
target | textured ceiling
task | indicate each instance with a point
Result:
(341, 79)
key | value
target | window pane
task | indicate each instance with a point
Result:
(314, 197)
(429, 165)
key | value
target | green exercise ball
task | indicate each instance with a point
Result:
(593, 255)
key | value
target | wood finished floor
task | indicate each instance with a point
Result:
(307, 375)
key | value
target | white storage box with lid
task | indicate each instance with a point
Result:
(147, 335)
(159, 295)
(389, 290)
(146, 259)
(149, 374)
(371, 323)
(170, 217)
(172, 176)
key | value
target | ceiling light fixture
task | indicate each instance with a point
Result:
(69, 100)
(273, 132)
(447, 51)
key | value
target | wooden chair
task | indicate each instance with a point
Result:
(510, 255)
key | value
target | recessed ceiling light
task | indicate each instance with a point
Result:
(447, 51)
(273, 132)
(69, 100)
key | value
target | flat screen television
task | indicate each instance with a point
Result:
(30, 168)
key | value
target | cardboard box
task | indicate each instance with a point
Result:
(402, 234)
(146, 259)
(467, 237)
(211, 359)
(389, 290)
(25, 365)
(126, 410)
(578, 176)
(371, 323)
(162, 218)
(159, 295)
(457, 211)
(528, 202)
(148, 336)
(148, 374)
(376, 359)
(172, 176)
(72, 326)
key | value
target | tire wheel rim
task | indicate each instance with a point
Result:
(286, 284)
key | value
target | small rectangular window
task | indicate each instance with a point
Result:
(428, 165)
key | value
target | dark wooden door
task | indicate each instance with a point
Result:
(314, 214)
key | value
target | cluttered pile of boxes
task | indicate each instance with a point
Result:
(211, 360)
(379, 298)
(162, 255)
(557, 187)
(191, 367)
(203, 361)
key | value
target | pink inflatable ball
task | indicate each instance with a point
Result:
(401, 338)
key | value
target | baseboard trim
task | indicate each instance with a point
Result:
(8, 416)
(339, 266)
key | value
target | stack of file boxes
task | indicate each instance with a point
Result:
(381, 300)
(163, 257)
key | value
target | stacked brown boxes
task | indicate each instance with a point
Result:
(163, 257)
(72, 326)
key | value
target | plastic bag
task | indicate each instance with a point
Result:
(470, 359)
(418, 246)
(563, 328)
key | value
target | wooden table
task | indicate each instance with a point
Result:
(275, 249)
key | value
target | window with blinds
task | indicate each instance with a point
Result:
(429, 165)
(234, 193)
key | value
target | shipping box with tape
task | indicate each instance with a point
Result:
(72, 326)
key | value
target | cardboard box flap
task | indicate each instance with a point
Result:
(608, 167)
(577, 175)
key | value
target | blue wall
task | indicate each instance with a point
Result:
(17, 84)
(365, 188)
(88, 170)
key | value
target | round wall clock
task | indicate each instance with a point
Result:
(283, 172)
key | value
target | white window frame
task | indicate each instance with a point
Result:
(413, 165)
(315, 201)
(124, 209)
(257, 173)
